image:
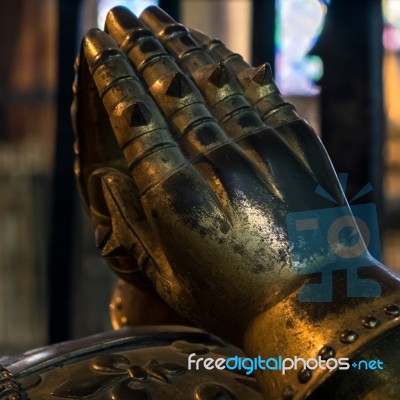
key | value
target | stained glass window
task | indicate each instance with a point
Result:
(299, 24)
(391, 35)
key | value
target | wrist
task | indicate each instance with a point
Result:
(339, 329)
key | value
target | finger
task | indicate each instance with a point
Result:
(194, 128)
(122, 231)
(130, 246)
(99, 163)
(176, 39)
(164, 177)
(257, 83)
(216, 49)
(140, 130)
(95, 144)
(226, 101)
(114, 235)
(261, 91)
(218, 85)
(182, 105)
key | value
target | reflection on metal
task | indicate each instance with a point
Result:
(189, 162)
(192, 195)
(141, 363)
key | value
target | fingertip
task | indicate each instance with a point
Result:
(124, 14)
(95, 42)
(119, 22)
(116, 16)
(151, 8)
(126, 28)
(157, 13)
(158, 20)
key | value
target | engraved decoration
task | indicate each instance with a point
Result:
(149, 365)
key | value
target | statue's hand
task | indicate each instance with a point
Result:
(217, 158)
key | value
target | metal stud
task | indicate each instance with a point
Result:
(327, 352)
(263, 75)
(219, 76)
(304, 375)
(348, 336)
(370, 322)
(393, 310)
(179, 86)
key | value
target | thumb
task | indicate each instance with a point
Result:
(119, 223)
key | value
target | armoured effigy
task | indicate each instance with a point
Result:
(191, 165)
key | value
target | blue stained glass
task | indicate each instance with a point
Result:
(299, 24)
(391, 34)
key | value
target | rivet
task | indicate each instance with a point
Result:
(9, 386)
(123, 320)
(4, 375)
(393, 310)
(304, 375)
(327, 352)
(348, 336)
(288, 393)
(370, 322)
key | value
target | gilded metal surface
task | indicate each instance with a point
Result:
(207, 162)
(213, 201)
(9, 388)
(134, 306)
(134, 363)
(367, 384)
(341, 329)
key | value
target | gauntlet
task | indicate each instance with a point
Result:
(190, 163)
